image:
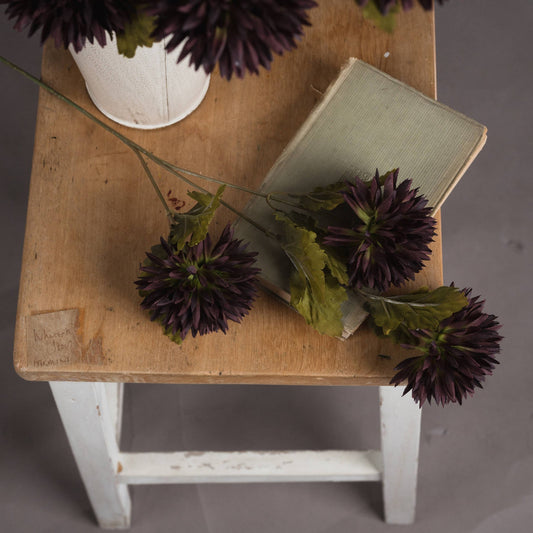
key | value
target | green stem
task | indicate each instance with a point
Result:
(272, 197)
(391, 300)
(121, 137)
(152, 180)
(215, 180)
(73, 104)
(269, 203)
(251, 221)
(172, 169)
(138, 149)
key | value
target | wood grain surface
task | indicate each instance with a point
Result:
(92, 214)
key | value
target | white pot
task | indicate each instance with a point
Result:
(147, 91)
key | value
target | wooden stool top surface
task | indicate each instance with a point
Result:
(92, 214)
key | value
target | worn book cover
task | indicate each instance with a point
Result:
(367, 120)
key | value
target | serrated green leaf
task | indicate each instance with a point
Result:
(303, 221)
(324, 314)
(195, 222)
(321, 198)
(337, 267)
(386, 22)
(136, 33)
(423, 309)
(309, 260)
(314, 294)
(386, 175)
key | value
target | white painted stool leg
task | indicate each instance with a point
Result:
(400, 439)
(115, 398)
(91, 425)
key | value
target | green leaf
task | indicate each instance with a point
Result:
(136, 33)
(304, 253)
(337, 267)
(423, 309)
(321, 198)
(386, 22)
(195, 222)
(400, 335)
(324, 314)
(303, 221)
(314, 294)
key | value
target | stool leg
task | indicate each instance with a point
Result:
(91, 424)
(400, 438)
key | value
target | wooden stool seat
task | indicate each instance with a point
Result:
(92, 214)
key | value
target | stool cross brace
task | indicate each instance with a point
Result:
(92, 412)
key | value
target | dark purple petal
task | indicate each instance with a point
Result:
(386, 234)
(238, 35)
(455, 359)
(71, 22)
(199, 288)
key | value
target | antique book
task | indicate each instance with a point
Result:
(366, 120)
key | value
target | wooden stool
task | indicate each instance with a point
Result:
(92, 214)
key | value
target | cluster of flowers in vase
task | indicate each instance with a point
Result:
(355, 236)
(237, 35)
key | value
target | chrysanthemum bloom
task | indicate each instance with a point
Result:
(385, 5)
(239, 35)
(455, 358)
(71, 22)
(386, 239)
(199, 288)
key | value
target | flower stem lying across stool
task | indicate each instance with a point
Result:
(348, 236)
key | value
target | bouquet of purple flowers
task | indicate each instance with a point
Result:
(237, 35)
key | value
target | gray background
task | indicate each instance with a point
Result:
(476, 461)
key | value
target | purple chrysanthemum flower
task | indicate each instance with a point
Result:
(199, 288)
(71, 22)
(239, 35)
(386, 240)
(455, 358)
(385, 5)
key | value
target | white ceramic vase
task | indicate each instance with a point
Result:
(147, 91)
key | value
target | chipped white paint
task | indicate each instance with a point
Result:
(249, 467)
(115, 398)
(400, 438)
(91, 414)
(386, 54)
(91, 430)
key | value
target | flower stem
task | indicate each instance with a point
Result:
(213, 180)
(121, 137)
(392, 300)
(152, 180)
(270, 197)
(140, 151)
